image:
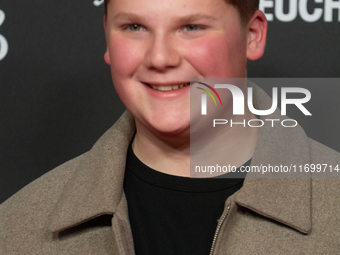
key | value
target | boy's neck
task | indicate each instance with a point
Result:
(171, 155)
(166, 154)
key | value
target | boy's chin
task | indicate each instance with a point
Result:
(172, 128)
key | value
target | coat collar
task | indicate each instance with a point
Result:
(96, 185)
(286, 200)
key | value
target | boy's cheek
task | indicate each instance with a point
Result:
(125, 56)
(217, 57)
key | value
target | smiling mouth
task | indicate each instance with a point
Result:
(168, 87)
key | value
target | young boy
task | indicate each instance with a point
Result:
(131, 193)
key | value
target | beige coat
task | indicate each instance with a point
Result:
(80, 207)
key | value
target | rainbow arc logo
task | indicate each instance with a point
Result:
(204, 97)
(212, 89)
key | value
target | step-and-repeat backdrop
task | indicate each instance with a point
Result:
(56, 94)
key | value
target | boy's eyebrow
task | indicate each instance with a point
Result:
(197, 16)
(187, 18)
(124, 15)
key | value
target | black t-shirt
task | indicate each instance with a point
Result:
(172, 215)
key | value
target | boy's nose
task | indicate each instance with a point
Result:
(162, 54)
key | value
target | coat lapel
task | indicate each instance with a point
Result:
(96, 187)
(288, 199)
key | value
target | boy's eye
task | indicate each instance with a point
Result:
(135, 27)
(191, 27)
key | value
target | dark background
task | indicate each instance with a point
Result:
(57, 98)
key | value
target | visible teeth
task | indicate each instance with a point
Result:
(169, 87)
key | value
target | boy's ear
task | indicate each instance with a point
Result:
(256, 35)
(106, 54)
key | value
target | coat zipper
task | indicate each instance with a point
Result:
(219, 225)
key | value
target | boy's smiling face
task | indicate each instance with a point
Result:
(154, 47)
